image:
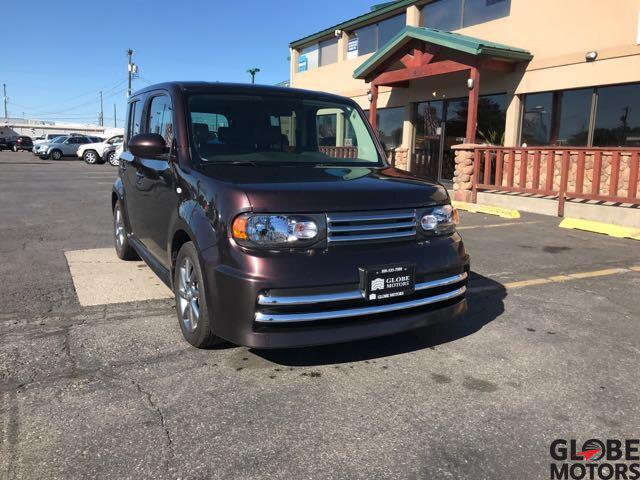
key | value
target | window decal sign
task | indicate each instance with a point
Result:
(302, 63)
(352, 47)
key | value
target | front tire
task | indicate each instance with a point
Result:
(191, 303)
(124, 250)
(90, 157)
(56, 155)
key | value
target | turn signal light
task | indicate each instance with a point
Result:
(240, 228)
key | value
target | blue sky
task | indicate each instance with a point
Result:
(57, 59)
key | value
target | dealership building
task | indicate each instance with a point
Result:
(534, 98)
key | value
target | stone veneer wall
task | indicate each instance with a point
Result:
(463, 172)
(464, 166)
(399, 158)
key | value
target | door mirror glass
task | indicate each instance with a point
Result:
(147, 145)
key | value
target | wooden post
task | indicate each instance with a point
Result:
(373, 108)
(472, 115)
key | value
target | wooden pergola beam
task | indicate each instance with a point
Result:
(373, 108)
(472, 112)
(420, 71)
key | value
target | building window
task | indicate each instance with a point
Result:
(308, 58)
(372, 37)
(367, 39)
(455, 14)
(557, 118)
(492, 117)
(328, 51)
(389, 28)
(564, 118)
(443, 15)
(390, 123)
(617, 121)
(480, 11)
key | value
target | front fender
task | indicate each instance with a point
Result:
(192, 220)
(118, 189)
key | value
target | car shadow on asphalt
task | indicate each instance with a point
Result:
(485, 300)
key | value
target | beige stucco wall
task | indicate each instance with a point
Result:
(557, 32)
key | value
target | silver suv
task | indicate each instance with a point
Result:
(59, 147)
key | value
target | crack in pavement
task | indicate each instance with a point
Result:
(155, 407)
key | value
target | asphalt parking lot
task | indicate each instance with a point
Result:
(549, 349)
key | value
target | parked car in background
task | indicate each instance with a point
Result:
(66, 146)
(99, 152)
(48, 137)
(269, 239)
(115, 158)
(21, 143)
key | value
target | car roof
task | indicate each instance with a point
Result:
(241, 88)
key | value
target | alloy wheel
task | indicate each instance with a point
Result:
(112, 159)
(189, 294)
(90, 157)
(119, 228)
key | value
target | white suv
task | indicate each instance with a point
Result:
(100, 152)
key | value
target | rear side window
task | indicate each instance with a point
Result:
(160, 118)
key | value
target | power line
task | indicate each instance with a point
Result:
(34, 111)
(37, 110)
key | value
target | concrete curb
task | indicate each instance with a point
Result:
(488, 209)
(617, 231)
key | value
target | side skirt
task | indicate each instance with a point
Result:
(160, 270)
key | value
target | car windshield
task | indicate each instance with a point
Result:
(270, 129)
(58, 139)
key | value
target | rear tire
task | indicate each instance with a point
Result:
(124, 250)
(56, 155)
(112, 159)
(90, 157)
(191, 303)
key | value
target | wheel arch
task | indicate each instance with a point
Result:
(190, 225)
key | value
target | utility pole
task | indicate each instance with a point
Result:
(101, 111)
(132, 69)
(252, 72)
(4, 87)
(115, 117)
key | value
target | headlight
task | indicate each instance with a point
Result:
(439, 220)
(261, 230)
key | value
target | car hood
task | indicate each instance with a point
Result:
(323, 189)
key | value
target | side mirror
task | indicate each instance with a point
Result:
(147, 145)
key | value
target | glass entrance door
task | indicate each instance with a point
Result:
(455, 131)
(441, 124)
(429, 125)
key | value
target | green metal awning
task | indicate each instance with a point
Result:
(454, 41)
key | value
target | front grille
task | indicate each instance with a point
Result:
(286, 307)
(371, 226)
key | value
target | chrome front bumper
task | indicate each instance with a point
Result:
(307, 302)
